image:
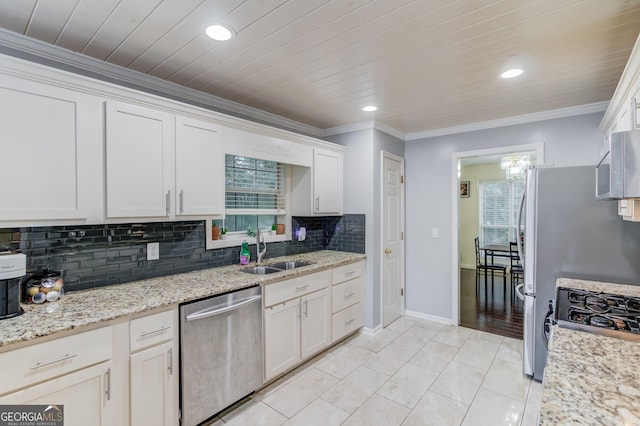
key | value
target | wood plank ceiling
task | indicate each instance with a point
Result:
(427, 64)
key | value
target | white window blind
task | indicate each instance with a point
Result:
(255, 192)
(499, 203)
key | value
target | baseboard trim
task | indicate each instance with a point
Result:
(435, 318)
(371, 331)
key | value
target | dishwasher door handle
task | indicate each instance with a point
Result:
(209, 312)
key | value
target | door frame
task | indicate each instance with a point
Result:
(379, 254)
(455, 208)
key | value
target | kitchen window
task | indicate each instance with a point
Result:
(255, 194)
(499, 203)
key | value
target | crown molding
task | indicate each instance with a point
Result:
(390, 130)
(346, 128)
(510, 121)
(363, 125)
(23, 47)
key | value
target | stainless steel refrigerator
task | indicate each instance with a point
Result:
(568, 233)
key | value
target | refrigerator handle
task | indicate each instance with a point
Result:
(518, 239)
(519, 292)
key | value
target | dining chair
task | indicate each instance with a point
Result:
(485, 263)
(516, 271)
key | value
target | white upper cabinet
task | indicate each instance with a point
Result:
(161, 166)
(327, 182)
(46, 149)
(139, 154)
(199, 168)
(318, 190)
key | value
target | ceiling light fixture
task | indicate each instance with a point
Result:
(370, 108)
(515, 165)
(511, 73)
(219, 32)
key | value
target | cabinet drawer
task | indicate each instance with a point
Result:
(347, 321)
(347, 293)
(295, 287)
(33, 364)
(151, 330)
(347, 272)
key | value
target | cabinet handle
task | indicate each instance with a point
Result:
(346, 323)
(181, 200)
(170, 361)
(317, 203)
(347, 296)
(108, 384)
(306, 308)
(302, 287)
(43, 364)
(348, 274)
(162, 328)
(167, 200)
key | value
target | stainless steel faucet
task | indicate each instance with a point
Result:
(264, 245)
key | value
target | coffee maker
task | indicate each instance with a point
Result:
(13, 267)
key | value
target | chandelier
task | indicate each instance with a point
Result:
(515, 165)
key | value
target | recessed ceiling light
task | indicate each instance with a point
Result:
(513, 72)
(219, 32)
(370, 108)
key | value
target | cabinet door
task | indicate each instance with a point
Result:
(153, 386)
(327, 181)
(85, 395)
(46, 135)
(139, 155)
(199, 168)
(281, 337)
(315, 327)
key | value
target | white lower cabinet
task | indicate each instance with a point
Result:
(85, 395)
(153, 370)
(347, 292)
(152, 388)
(281, 337)
(297, 328)
(304, 315)
(315, 323)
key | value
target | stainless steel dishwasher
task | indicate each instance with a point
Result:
(220, 352)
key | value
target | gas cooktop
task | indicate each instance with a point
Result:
(602, 313)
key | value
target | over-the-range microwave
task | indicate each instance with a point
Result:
(618, 172)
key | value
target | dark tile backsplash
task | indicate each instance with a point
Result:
(99, 255)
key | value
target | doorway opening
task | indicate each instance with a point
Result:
(490, 187)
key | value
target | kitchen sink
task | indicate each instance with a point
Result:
(276, 267)
(261, 270)
(289, 265)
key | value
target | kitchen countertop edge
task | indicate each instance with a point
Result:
(80, 309)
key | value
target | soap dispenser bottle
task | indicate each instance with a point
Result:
(245, 254)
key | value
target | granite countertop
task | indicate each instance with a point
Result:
(591, 379)
(87, 307)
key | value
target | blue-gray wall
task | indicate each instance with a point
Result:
(429, 190)
(362, 186)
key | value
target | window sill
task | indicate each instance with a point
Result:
(237, 239)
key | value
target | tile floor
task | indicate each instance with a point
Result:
(414, 372)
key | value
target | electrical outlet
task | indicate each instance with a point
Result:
(153, 251)
(435, 233)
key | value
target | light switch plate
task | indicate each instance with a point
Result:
(153, 251)
(435, 233)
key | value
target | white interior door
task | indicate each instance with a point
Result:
(392, 238)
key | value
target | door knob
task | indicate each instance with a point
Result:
(387, 251)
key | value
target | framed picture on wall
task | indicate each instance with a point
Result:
(464, 189)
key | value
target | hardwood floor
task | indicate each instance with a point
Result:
(491, 310)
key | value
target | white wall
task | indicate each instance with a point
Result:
(362, 159)
(567, 142)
